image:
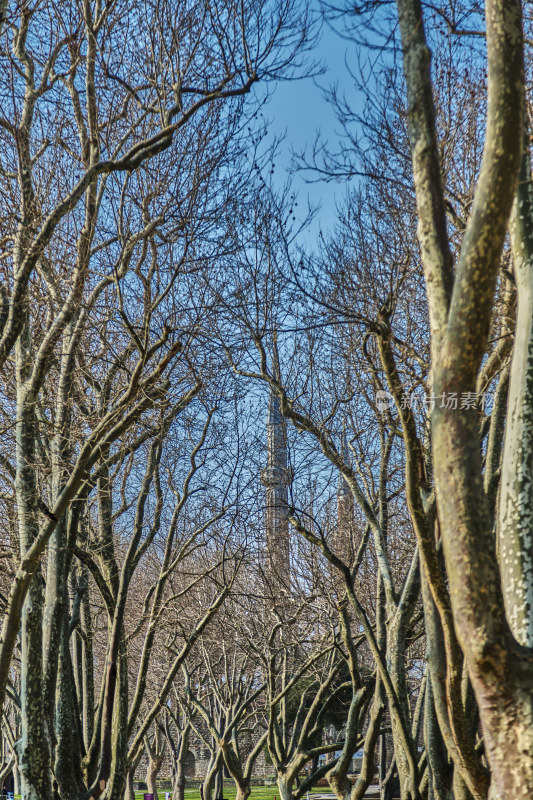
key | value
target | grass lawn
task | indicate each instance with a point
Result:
(258, 793)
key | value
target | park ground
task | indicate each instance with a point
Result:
(258, 793)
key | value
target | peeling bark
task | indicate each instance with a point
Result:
(515, 529)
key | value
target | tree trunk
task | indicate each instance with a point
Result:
(396, 666)
(178, 790)
(213, 770)
(178, 755)
(87, 667)
(156, 754)
(16, 779)
(34, 745)
(382, 764)
(515, 525)
(438, 767)
(460, 789)
(129, 792)
(119, 738)
(500, 669)
(285, 787)
(368, 766)
(243, 791)
(152, 772)
(218, 786)
(67, 761)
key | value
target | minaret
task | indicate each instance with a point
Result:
(276, 478)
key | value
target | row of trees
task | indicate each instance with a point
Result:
(155, 290)
(123, 137)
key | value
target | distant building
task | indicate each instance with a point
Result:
(276, 477)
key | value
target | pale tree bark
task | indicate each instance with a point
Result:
(211, 782)
(10, 736)
(499, 667)
(439, 772)
(179, 753)
(445, 658)
(515, 523)
(178, 788)
(86, 694)
(34, 747)
(368, 767)
(16, 780)
(155, 751)
(129, 791)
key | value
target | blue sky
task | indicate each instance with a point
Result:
(299, 109)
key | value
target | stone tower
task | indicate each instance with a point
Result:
(276, 477)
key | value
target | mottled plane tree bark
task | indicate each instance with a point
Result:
(490, 598)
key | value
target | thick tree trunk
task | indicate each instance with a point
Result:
(460, 789)
(178, 790)
(87, 668)
(243, 791)
(129, 791)
(500, 669)
(439, 770)
(396, 665)
(218, 785)
(285, 787)
(67, 763)
(34, 745)
(241, 777)
(152, 772)
(156, 754)
(382, 764)
(178, 755)
(368, 767)
(457, 724)
(515, 528)
(119, 737)
(213, 770)
(55, 609)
